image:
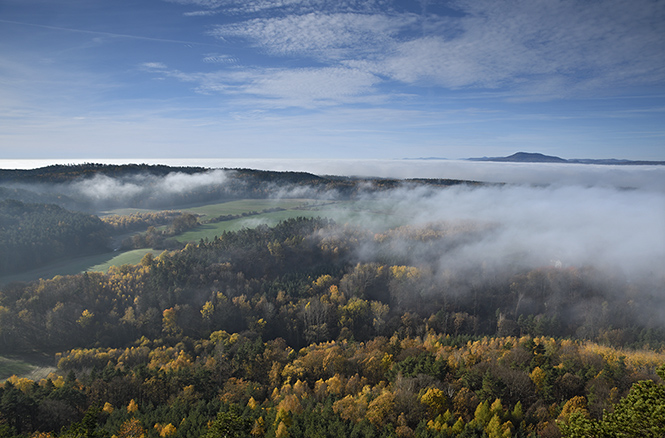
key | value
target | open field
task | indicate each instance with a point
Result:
(33, 367)
(222, 208)
(123, 258)
(10, 367)
(209, 231)
(246, 206)
(68, 267)
(126, 211)
(371, 214)
(97, 262)
(292, 208)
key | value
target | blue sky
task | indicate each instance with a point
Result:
(331, 78)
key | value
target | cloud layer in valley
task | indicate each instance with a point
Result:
(593, 219)
(528, 226)
(636, 177)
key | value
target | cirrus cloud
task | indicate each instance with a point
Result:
(325, 36)
(306, 87)
(544, 48)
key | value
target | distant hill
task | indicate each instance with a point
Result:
(533, 157)
(524, 157)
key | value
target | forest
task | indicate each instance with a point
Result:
(316, 328)
(35, 234)
(94, 187)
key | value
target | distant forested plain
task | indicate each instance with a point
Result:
(189, 302)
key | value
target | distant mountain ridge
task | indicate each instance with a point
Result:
(524, 157)
(534, 157)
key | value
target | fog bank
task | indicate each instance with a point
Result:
(618, 230)
(641, 177)
(610, 217)
(102, 189)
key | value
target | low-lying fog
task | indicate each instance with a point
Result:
(619, 230)
(648, 177)
(611, 217)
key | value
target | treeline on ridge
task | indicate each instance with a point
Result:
(52, 185)
(60, 173)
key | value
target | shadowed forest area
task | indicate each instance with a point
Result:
(315, 327)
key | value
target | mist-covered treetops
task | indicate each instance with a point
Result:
(280, 327)
(470, 310)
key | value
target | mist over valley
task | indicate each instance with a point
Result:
(197, 261)
(610, 217)
(430, 219)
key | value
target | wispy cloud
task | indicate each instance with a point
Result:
(537, 49)
(152, 66)
(104, 189)
(214, 58)
(105, 34)
(305, 87)
(320, 35)
(201, 13)
(241, 7)
(574, 226)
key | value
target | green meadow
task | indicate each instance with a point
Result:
(122, 258)
(210, 230)
(31, 366)
(96, 263)
(10, 367)
(246, 206)
(291, 208)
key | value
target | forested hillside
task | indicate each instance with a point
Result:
(59, 173)
(312, 328)
(32, 235)
(95, 187)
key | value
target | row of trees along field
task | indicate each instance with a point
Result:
(287, 331)
(154, 237)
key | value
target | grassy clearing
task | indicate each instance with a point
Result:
(245, 206)
(126, 211)
(292, 208)
(10, 367)
(209, 231)
(123, 258)
(33, 367)
(68, 267)
(39, 373)
(97, 263)
(221, 208)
